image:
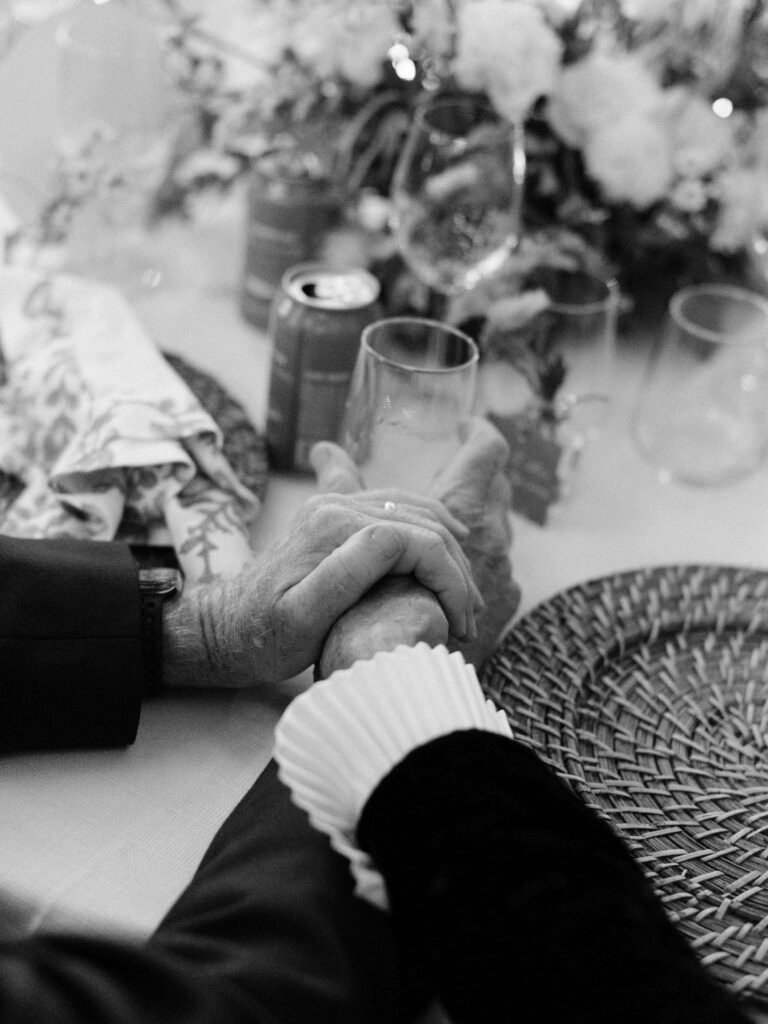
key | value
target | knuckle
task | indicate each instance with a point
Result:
(434, 544)
(325, 510)
(314, 504)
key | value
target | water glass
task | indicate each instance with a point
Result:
(413, 386)
(578, 330)
(702, 415)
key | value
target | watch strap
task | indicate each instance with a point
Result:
(156, 587)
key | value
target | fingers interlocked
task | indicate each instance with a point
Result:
(353, 540)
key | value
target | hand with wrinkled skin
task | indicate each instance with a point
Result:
(270, 621)
(474, 489)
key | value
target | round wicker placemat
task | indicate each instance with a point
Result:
(648, 692)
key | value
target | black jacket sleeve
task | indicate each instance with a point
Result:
(70, 644)
(517, 903)
(268, 932)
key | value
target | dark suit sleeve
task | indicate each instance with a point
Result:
(268, 932)
(70, 644)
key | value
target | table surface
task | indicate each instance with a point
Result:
(107, 840)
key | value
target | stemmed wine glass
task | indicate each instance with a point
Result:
(457, 193)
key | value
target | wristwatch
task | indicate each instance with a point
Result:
(156, 587)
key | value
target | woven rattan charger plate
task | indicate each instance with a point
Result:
(648, 692)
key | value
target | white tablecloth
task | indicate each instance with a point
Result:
(110, 838)
(107, 840)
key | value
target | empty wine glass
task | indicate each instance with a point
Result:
(413, 386)
(457, 193)
(702, 415)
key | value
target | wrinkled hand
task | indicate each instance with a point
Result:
(474, 489)
(270, 621)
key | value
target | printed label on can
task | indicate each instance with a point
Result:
(322, 397)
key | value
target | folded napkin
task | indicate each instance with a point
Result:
(100, 438)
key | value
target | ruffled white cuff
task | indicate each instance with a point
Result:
(336, 741)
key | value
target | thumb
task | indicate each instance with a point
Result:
(335, 471)
(469, 474)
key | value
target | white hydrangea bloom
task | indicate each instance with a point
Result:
(433, 26)
(506, 48)
(337, 38)
(367, 39)
(600, 90)
(701, 140)
(261, 32)
(315, 36)
(631, 159)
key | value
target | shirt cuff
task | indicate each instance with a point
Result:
(336, 742)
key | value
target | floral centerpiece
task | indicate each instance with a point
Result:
(646, 120)
(645, 126)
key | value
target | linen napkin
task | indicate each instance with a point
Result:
(100, 438)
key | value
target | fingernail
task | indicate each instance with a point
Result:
(462, 635)
(472, 634)
(387, 539)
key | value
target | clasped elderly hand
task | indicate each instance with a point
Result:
(358, 571)
(472, 488)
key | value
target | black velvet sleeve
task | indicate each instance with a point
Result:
(518, 903)
(70, 644)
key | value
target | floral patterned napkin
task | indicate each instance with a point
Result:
(100, 438)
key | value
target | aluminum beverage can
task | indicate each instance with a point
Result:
(315, 324)
(292, 204)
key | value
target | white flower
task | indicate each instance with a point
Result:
(631, 160)
(598, 91)
(689, 195)
(374, 212)
(701, 140)
(348, 40)
(368, 37)
(506, 48)
(433, 26)
(314, 38)
(260, 33)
